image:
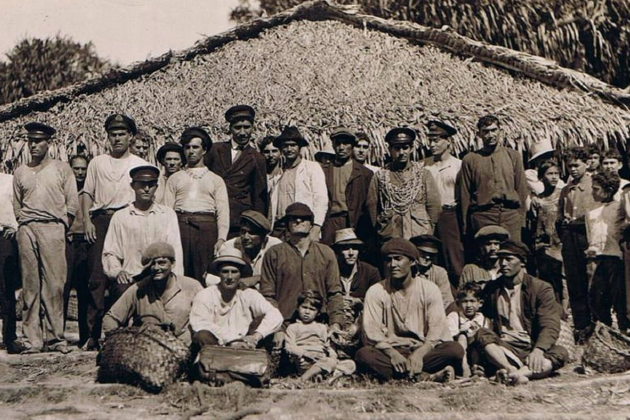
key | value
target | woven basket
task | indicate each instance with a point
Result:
(607, 351)
(147, 356)
(566, 340)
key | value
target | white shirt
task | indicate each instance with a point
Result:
(7, 215)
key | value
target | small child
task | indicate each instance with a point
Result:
(307, 342)
(467, 320)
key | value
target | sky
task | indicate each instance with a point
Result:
(122, 31)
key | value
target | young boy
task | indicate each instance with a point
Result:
(464, 323)
(607, 289)
(307, 342)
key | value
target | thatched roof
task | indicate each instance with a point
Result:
(318, 66)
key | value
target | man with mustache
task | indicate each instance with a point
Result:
(486, 268)
(161, 298)
(107, 189)
(171, 157)
(241, 166)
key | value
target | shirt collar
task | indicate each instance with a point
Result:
(153, 209)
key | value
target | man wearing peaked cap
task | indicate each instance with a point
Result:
(175, 295)
(136, 227)
(241, 166)
(486, 267)
(45, 203)
(302, 181)
(529, 334)
(347, 182)
(171, 157)
(425, 345)
(429, 248)
(107, 189)
(403, 198)
(445, 168)
(200, 199)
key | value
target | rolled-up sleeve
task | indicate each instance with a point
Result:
(259, 306)
(122, 311)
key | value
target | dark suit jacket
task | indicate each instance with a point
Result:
(366, 277)
(356, 191)
(540, 310)
(246, 179)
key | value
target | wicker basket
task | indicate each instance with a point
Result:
(566, 340)
(148, 356)
(607, 351)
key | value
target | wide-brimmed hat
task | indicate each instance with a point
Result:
(229, 255)
(346, 236)
(290, 133)
(427, 243)
(170, 147)
(539, 147)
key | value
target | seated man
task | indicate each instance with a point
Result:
(161, 298)
(428, 249)
(486, 268)
(404, 325)
(222, 315)
(526, 320)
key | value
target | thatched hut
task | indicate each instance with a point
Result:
(320, 65)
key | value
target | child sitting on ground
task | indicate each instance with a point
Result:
(466, 321)
(307, 343)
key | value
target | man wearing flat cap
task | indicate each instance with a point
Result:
(253, 242)
(492, 187)
(301, 264)
(106, 190)
(45, 202)
(486, 267)
(445, 168)
(404, 325)
(403, 199)
(428, 250)
(526, 320)
(241, 166)
(200, 199)
(161, 298)
(302, 181)
(171, 157)
(347, 182)
(134, 228)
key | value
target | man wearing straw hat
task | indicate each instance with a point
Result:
(161, 298)
(492, 188)
(45, 202)
(107, 189)
(347, 182)
(445, 168)
(241, 166)
(403, 199)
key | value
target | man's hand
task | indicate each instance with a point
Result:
(315, 231)
(536, 360)
(278, 339)
(8, 233)
(218, 245)
(124, 277)
(252, 340)
(334, 329)
(90, 231)
(399, 362)
(416, 363)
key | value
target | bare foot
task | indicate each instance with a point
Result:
(478, 370)
(444, 376)
(502, 376)
(517, 378)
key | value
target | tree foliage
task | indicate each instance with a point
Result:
(36, 65)
(592, 36)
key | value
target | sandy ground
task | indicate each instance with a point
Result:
(54, 386)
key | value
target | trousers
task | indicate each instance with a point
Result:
(608, 291)
(77, 259)
(449, 232)
(199, 234)
(574, 243)
(97, 283)
(9, 283)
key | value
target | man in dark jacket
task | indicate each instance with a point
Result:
(526, 318)
(347, 182)
(241, 166)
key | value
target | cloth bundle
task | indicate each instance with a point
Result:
(221, 365)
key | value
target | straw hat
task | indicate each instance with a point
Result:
(229, 255)
(346, 236)
(540, 147)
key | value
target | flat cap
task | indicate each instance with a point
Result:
(39, 131)
(239, 112)
(400, 246)
(290, 133)
(400, 135)
(120, 121)
(170, 147)
(515, 248)
(492, 232)
(346, 236)
(257, 219)
(156, 250)
(440, 128)
(343, 133)
(427, 243)
(299, 210)
(144, 173)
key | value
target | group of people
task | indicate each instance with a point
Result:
(419, 269)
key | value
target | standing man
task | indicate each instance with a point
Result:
(301, 264)
(241, 166)
(200, 199)
(171, 157)
(45, 202)
(134, 228)
(403, 200)
(302, 181)
(77, 256)
(273, 160)
(140, 144)
(445, 168)
(107, 189)
(347, 182)
(9, 265)
(493, 187)
(361, 151)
